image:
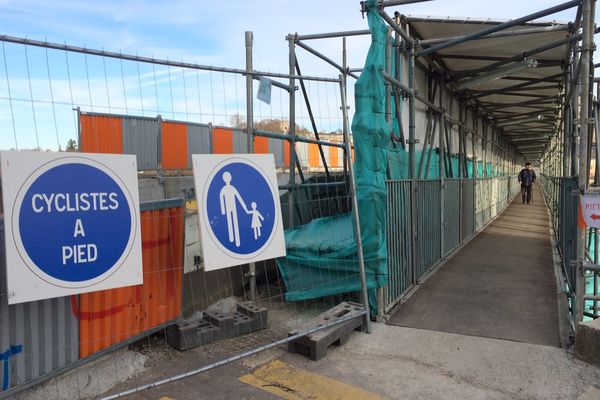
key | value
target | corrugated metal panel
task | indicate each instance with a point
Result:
(141, 137)
(302, 153)
(35, 338)
(198, 140)
(240, 142)
(222, 141)
(326, 151)
(314, 157)
(261, 145)
(174, 145)
(286, 153)
(100, 134)
(335, 157)
(111, 316)
(276, 148)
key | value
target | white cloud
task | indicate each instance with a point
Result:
(209, 33)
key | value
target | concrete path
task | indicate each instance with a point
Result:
(406, 363)
(500, 285)
(391, 363)
(395, 363)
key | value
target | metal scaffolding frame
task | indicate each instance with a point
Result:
(487, 131)
(559, 130)
(567, 157)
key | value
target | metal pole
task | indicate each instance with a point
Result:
(356, 219)
(583, 150)
(411, 114)
(250, 130)
(332, 35)
(441, 160)
(388, 86)
(391, 3)
(345, 81)
(565, 127)
(325, 58)
(596, 182)
(292, 126)
(405, 36)
(302, 139)
(460, 141)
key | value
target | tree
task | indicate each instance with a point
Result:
(237, 121)
(71, 145)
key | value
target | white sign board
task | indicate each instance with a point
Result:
(71, 223)
(239, 212)
(590, 208)
(264, 90)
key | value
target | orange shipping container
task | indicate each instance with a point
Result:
(334, 157)
(286, 153)
(222, 141)
(100, 134)
(110, 316)
(261, 145)
(174, 145)
(314, 158)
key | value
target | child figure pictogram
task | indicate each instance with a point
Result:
(256, 218)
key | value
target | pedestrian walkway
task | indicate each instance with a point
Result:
(500, 285)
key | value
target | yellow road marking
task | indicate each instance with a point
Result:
(166, 398)
(293, 383)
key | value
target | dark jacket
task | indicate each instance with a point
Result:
(527, 177)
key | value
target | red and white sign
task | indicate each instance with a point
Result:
(590, 209)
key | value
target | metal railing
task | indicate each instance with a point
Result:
(562, 198)
(429, 219)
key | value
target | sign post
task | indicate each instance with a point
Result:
(71, 223)
(239, 209)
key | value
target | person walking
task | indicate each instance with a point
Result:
(527, 179)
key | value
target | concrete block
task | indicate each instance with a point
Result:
(217, 324)
(189, 334)
(222, 320)
(253, 311)
(314, 345)
(587, 342)
(243, 324)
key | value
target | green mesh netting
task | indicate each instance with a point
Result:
(322, 255)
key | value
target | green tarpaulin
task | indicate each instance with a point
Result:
(322, 255)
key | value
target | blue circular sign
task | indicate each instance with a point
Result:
(240, 208)
(74, 222)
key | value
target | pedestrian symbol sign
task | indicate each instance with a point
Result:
(238, 203)
(71, 223)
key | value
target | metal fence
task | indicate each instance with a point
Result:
(79, 99)
(39, 339)
(428, 220)
(562, 197)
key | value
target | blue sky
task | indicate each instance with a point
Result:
(210, 33)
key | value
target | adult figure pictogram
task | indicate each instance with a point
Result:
(229, 197)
